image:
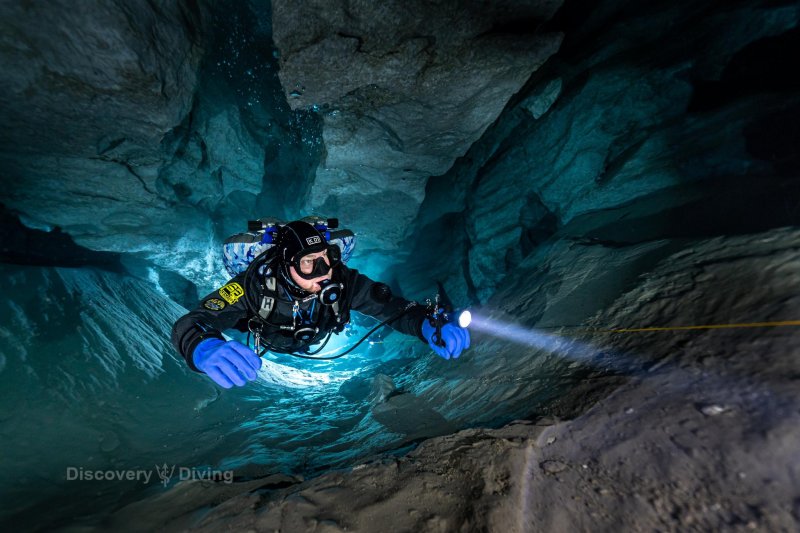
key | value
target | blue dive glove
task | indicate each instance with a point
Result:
(227, 363)
(456, 339)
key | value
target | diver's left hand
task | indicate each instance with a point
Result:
(226, 363)
(456, 339)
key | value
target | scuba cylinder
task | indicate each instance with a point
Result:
(239, 250)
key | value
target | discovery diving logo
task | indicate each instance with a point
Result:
(165, 473)
(162, 473)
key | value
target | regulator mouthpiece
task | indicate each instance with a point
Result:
(330, 293)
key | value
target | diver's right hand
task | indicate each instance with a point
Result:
(226, 363)
(454, 339)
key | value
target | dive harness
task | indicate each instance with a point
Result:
(329, 295)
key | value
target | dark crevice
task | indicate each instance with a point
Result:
(97, 196)
(111, 145)
(130, 169)
(472, 290)
(127, 165)
(182, 191)
(520, 26)
(21, 245)
(539, 232)
(775, 138)
(192, 20)
(760, 67)
(622, 150)
(178, 138)
(359, 40)
(203, 153)
(730, 206)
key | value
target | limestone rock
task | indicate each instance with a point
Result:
(607, 127)
(147, 129)
(404, 89)
(85, 102)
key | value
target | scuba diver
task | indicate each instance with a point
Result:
(292, 296)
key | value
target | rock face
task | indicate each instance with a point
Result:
(699, 434)
(630, 124)
(87, 98)
(96, 72)
(147, 129)
(404, 88)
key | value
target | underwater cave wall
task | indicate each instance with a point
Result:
(670, 120)
(150, 130)
(403, 88)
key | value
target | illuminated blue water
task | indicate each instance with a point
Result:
(91, 383)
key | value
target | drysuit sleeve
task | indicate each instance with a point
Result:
(376, 300)
(218, 311)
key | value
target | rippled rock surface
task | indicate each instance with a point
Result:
(404, 88)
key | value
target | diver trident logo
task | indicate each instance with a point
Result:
(165, 473)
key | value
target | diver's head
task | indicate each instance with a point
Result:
(303, 256)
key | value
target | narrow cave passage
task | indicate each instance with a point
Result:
(610, 187)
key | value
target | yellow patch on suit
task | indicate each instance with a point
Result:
(231, 292)
(214, 304)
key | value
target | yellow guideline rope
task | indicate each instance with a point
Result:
(711, 326)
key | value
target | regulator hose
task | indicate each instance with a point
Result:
(353, 347)
(253, 309)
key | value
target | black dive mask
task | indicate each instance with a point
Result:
(321, 268)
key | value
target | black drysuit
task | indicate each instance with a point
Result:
(226, 308)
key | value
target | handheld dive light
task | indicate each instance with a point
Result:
(464, 318)
(438, 316)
